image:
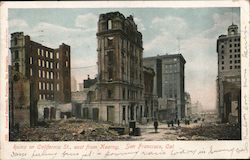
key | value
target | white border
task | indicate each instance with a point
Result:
(220, 149)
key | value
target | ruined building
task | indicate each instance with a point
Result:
(169, 84)
(229, 76)
(37, 73)
(120, 69)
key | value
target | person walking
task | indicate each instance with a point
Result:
(155, 125)
(178, 122)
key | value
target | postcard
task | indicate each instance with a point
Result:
(125, 80)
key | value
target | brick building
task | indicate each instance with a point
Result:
(229, 75)
(46, 71)
(120, 70)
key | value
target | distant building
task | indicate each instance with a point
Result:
(38, 73)
(73, 84)
(188, 104)
(120, 70)
(80, 86)
(169, 82)
(229, 75)
(89, 82)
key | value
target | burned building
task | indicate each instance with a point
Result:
(169, 82)
(38, 73)
(229, 75)
(151, 102)
(120, 69)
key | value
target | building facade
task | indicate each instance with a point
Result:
(151, 102)
(169, 82)
(229, 75)
(120, 69)
(47, 71)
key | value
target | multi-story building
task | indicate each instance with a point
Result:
(40, 73)
(120, 69)
(229, 75)
(169, 82)
(151, 102)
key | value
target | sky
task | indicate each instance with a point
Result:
(196, 28)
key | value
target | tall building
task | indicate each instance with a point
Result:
(73, 84)
(38, 73)
(120, 70)
(229, 80)
(169, 82)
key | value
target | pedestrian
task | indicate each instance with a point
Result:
(156, 125)
(178, 122)
(172, 122)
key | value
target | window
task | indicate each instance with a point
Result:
(67, 53)
(51, 65)
(51, 55)
(57, 65)
(57, 55)
(47, 53)
(44, 86)
(238, 55)
(238, 44)
(222, 68)
(110, 57)
(222, 46)
(16, 54)
(110, 73)
(39, 62)
(48, 86)
(235, 56)
(38, 51)
(39, 73)
(17, 67)
(124, 113)
(51, 75)
(231, 67)
(39, 85)
(31, 60)
(230, 51)
(66, 63)
(57, 87)
(222, 62)
(47, 64)
(42, 52)
(51, 86)
(31, 72)
(235, 61)
(222, 57)
(40, 96)
(222, 51)
(235, 45)
(230, 45)
(47, 75)
(230, 62)
(43, 74)
(109, 24)
(238, 50)
(109, 94)
(43, 63)
(58, 75)
(230, 56)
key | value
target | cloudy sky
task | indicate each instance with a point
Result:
(197, 29)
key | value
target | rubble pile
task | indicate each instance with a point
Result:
(69, 130)
(212, 132)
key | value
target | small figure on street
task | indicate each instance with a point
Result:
(172, 123)
(155, 125)
(178, 122)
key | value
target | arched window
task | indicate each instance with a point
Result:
(109, 24)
